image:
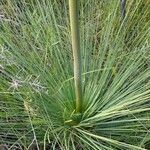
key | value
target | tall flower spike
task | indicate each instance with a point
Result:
(74, 23)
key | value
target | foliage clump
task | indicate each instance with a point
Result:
(37, 93)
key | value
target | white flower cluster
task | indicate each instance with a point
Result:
(29, 81)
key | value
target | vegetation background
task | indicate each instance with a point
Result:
(37, 98)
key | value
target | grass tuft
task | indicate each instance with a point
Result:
(37, 92)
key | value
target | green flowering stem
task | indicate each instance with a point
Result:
(74, 23)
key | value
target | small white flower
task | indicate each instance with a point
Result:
(15, 84)
(36, 85)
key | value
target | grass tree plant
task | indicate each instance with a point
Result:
(43, 102)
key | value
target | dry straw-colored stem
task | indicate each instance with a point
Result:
(74, 23)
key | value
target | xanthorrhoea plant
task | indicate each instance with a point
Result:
(37, 92)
